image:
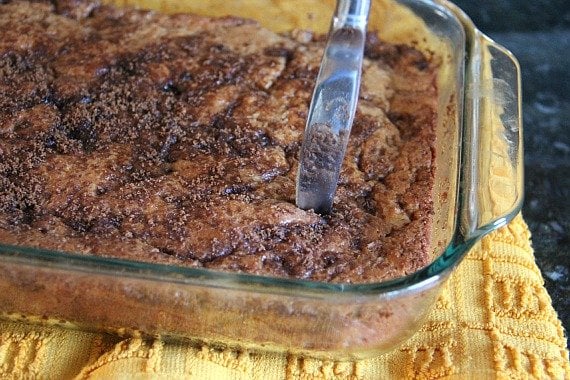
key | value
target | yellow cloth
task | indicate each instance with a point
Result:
(493, 320)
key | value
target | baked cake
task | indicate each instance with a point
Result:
(174, 139)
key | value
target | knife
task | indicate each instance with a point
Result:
(332, 108)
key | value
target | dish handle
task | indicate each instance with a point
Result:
(492, 180)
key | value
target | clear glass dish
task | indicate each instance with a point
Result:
(478, 189)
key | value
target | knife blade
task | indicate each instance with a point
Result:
(332, 108)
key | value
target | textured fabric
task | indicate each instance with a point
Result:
(494, 319)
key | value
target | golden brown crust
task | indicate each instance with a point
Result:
(175, 139)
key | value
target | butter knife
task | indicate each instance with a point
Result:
(332, 108)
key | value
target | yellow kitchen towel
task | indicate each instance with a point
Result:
(494, 319)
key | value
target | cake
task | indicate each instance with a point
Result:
(174, 139)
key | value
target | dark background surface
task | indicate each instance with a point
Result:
(538, 33)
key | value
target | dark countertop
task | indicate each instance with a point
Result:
(538, 33)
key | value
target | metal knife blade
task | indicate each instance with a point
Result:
(332, 108)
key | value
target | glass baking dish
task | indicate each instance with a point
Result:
(478, 189)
